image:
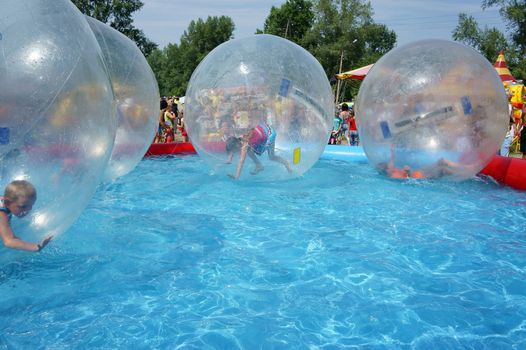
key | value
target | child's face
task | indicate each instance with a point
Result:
(21, 207)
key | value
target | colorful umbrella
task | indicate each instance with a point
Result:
(356, 74)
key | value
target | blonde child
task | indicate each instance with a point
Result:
(19, 197)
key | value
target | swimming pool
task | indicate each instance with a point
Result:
(169, 257)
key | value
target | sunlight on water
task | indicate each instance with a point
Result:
(170, 257)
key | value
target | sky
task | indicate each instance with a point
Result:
(164, 21)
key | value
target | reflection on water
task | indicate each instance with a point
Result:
(169, 256)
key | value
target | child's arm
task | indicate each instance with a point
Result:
(11, 241)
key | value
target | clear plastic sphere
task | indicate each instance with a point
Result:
(137, 97)
(57, 124)
(432, 109)
(270, 95)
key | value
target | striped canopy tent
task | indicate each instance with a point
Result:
(355, 74)
(502, 68)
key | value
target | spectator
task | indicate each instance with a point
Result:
(180, 126)
(175, 106)
(336, 130)
(227, 128)
(169, 121)
(345, 116)
(510, 135)
(353, 130)
(160, 137)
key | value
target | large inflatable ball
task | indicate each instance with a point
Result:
(137, 98)
(259, 108)
(57, 124)
(432, 109)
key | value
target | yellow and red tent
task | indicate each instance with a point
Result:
(502, 68)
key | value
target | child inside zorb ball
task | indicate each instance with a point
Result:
(256, 95)
(258, 140)
(434, 107)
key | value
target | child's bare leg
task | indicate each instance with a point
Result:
(242, 157)
(278, 159)
(256, 161)
(272, 156)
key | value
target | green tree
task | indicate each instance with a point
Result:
(467, 31)
(514, 13)
(489, 41)
(158, 60)
(173, 66)
(346, 27)
(118, 14)
(291, 20)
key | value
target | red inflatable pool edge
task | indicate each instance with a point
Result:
(162, 149)
(505, 170)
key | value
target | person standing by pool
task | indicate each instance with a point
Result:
(19, 197)
(160, 137)
(345, 116)
(336, 129)
(353, 130)
(510, 135)
(169, 121)
(181, 127)
(254, 143)
(175, 106)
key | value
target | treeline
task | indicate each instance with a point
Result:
(332, 30)
(174, 64)
(323, 27)
(489, 40)
(118, 14)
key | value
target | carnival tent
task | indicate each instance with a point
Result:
(502, 68)
(356, 74)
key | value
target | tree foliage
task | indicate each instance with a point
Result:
(346, 26)
(174, 65)
(118, 14)
(489, 41)
(291, 20)
(332, 29)
(514, 13)
(326, 28)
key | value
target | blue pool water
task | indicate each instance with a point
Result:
(171, 258)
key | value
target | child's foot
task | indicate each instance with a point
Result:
(256, 170)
